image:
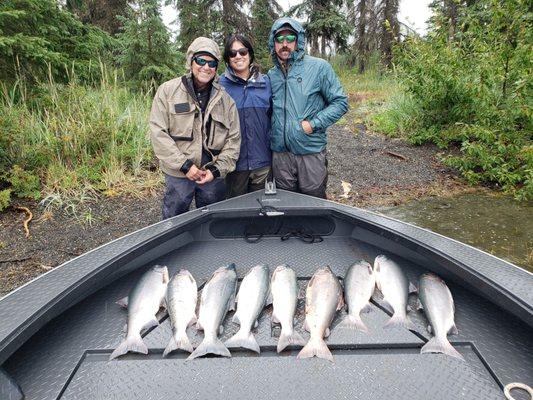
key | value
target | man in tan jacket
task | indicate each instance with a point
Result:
(194, 129)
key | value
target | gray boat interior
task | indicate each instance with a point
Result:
(57, 345)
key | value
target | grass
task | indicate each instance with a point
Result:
(75, 141)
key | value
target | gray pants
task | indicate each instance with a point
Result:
(307, 174)
(241, 182)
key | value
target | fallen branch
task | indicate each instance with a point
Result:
(27, 220)
(15, 260)
(397, 155)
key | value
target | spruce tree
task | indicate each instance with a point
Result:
(146, 52)
(264, 13)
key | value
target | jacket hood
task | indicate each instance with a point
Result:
(296, 26)
(202, 44)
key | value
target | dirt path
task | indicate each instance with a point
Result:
(381, 171)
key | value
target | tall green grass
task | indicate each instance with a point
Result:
(69, 141)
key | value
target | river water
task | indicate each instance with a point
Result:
(496, 224)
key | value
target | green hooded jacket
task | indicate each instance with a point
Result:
(310, 90)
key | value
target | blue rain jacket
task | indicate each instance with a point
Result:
(310, 90)
(253, 100)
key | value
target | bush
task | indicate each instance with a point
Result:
(474, 92)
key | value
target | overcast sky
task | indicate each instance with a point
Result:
(413, 13)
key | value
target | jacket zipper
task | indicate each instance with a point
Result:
(285, 75)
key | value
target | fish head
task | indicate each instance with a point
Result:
(323, 270)
(379, 263)
(262, 268)
(365, 265)
(184, 273)
(163, 270)
(431, 276)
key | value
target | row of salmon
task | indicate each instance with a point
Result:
(324, 296)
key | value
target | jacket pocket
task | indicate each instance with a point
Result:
(181, 121)
(219, 130)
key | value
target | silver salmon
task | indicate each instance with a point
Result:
(284, 287)
(323, 298)
(437, 302)
(251, 300)
(143, 302)
(218, 297)
(359, 283)
(181, 296)
(395, 287)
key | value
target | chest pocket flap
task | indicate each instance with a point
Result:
(219, 130)
(181, 122)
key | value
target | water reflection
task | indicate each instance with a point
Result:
(496, 224)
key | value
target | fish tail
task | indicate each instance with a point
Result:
(354, 322)
(400, 320)
(179, 341)
(210, 346)
(134, 344)
(316, 347)
(245, 340)
(440, 345)
(289, 338)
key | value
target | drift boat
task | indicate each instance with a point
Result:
(57, 331)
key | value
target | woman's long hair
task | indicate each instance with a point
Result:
(237, 37)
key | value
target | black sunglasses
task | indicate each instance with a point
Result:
(243, 51)
(202, 61)
(291, 37)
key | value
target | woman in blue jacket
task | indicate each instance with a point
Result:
(252, 94)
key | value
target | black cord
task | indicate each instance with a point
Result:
(303, 236)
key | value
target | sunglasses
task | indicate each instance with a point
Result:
(202, 61)
(243, 51)
(291, 37)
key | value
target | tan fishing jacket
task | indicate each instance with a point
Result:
(178, 132)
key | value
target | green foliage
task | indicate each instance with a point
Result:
(473, 89)
(264, 13)
(73, 138)
(146, 54)
(5, 200)
(38, 40)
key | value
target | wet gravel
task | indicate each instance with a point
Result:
(382, 171)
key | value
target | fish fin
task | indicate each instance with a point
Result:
(377, 295)
(398, 320)
(429, 329)
(387, 306)
(440, 345)
(163, 303)
(125, 328)
(367, 308)
(232, 303)
(182, 342)
(235, 319)
(243, 339)
(340, 303)
(306, 326)
(289, 339)
(274, 319)
(214, 346)
(220, 330)
(327, 332)
(256, 323)
(419, 305)
(269, 299)
(123, 302)
(134, 344)
(194, 320)
(316, 347)
(150, 324)
(353, 322)
(412, 288)
(453, 330)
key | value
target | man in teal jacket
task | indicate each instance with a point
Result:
(307, 98)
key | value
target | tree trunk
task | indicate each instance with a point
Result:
(390, 30)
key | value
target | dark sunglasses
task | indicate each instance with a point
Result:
(243, 51)
(291, 37)
(202, 61)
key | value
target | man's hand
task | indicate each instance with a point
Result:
(208, 177)
(306, 126)
(195, 174)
